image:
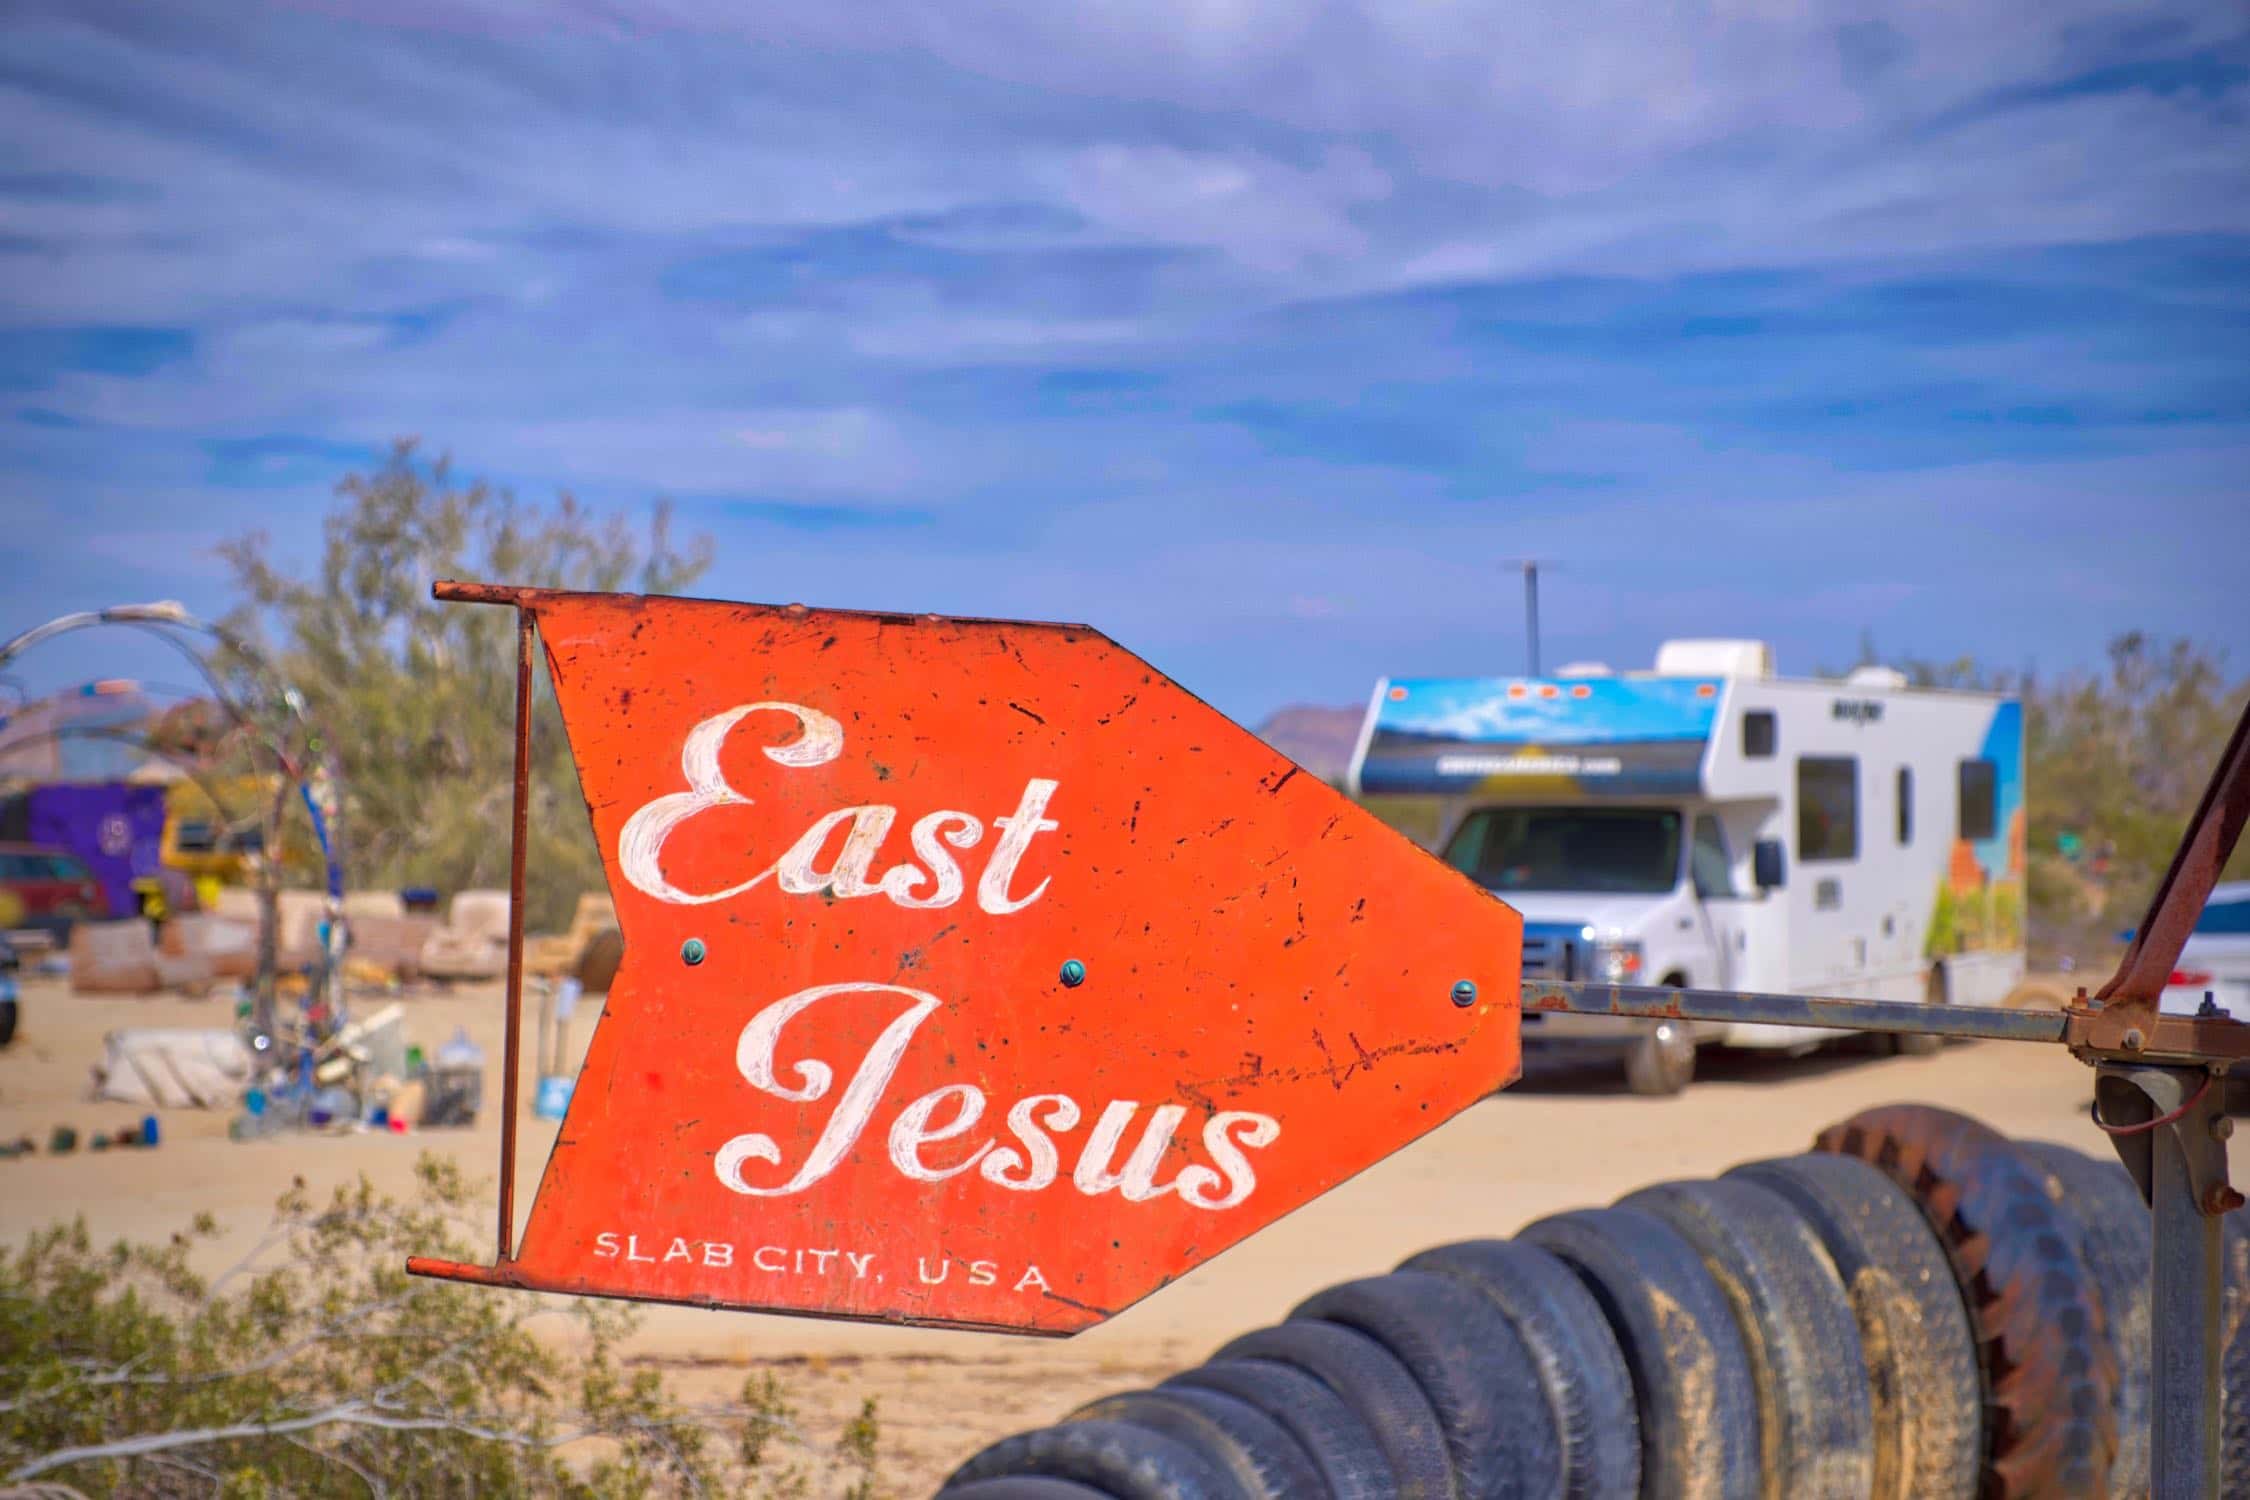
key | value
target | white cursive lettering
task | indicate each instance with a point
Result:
(848, 876)
(900, 883)
(952, 1112)
(1022, 826)
(640, 844)
(754, 1059)
(914, 1131)
(1000, 1166)
(1195, 1183)
(642, 840)
(1137, 1182)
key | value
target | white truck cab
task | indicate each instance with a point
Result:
(1711, 825)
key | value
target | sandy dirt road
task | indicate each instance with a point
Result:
(1561, 1139)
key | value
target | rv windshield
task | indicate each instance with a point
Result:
(1616, 850)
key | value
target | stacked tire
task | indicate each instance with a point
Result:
(1919, 1309)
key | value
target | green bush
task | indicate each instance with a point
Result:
(317, 1366)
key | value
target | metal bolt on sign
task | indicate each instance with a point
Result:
(867, 1103)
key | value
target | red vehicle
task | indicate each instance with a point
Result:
(52, 889)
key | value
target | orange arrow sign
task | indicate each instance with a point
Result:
(975, 973)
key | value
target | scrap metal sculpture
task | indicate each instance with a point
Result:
(977, 975)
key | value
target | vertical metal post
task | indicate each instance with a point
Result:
(512, 1047)
(1531, 611)
(2184, 1311)
(2170, 1127)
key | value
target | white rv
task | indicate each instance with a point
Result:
(1710, 825)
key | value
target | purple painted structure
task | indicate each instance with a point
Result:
(115, 828)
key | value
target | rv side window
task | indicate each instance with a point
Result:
(1980, 817)
(1714, 872)
(1905, 805)
(1758, 734)
(1827, 808)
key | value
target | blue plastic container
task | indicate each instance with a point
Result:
(553, 1099)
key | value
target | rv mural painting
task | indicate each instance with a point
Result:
(1979, 905)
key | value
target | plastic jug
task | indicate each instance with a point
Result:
(456, 1084)
(460, 1052)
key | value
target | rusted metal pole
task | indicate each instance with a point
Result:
(2203, 852)
(511, 1048)
(1583, 997)
(2184, 1310)
(2170, 1128)
(2174, 1141)
(457, 591)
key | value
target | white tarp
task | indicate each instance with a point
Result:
(176, 1066)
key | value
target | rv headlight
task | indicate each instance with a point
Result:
(1619, 963)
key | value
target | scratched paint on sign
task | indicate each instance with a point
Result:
(876, 1095)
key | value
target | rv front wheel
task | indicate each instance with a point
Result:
(1661, 1060)
(1924, 1043)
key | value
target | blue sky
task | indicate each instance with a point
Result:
(1258, 334)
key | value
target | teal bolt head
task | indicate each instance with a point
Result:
(692, 952)
(1073, 973)
(1465, 993)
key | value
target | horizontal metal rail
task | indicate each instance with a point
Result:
(1666, 1003)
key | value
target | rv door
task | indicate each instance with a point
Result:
(1712, 867)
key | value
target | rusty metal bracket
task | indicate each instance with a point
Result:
(2140, 1105)
(2098, 1033)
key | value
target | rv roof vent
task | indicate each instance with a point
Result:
(1584, 669)
(1876, 677)
(1714, 659)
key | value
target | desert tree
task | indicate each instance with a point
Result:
(417, 697)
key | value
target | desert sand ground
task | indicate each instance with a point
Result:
(1561, 1139)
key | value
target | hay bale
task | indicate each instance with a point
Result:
(229, 947)
(113, 958)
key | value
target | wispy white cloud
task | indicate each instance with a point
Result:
(1194, 316)
(775, 455)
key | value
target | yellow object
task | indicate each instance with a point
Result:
(406, 1102)
(557, 954)
(150, 892)
(362, 971)
(195, 827)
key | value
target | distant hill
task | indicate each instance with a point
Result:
(1319, 739)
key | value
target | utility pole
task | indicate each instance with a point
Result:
(1530, 566)
(1531, 610)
